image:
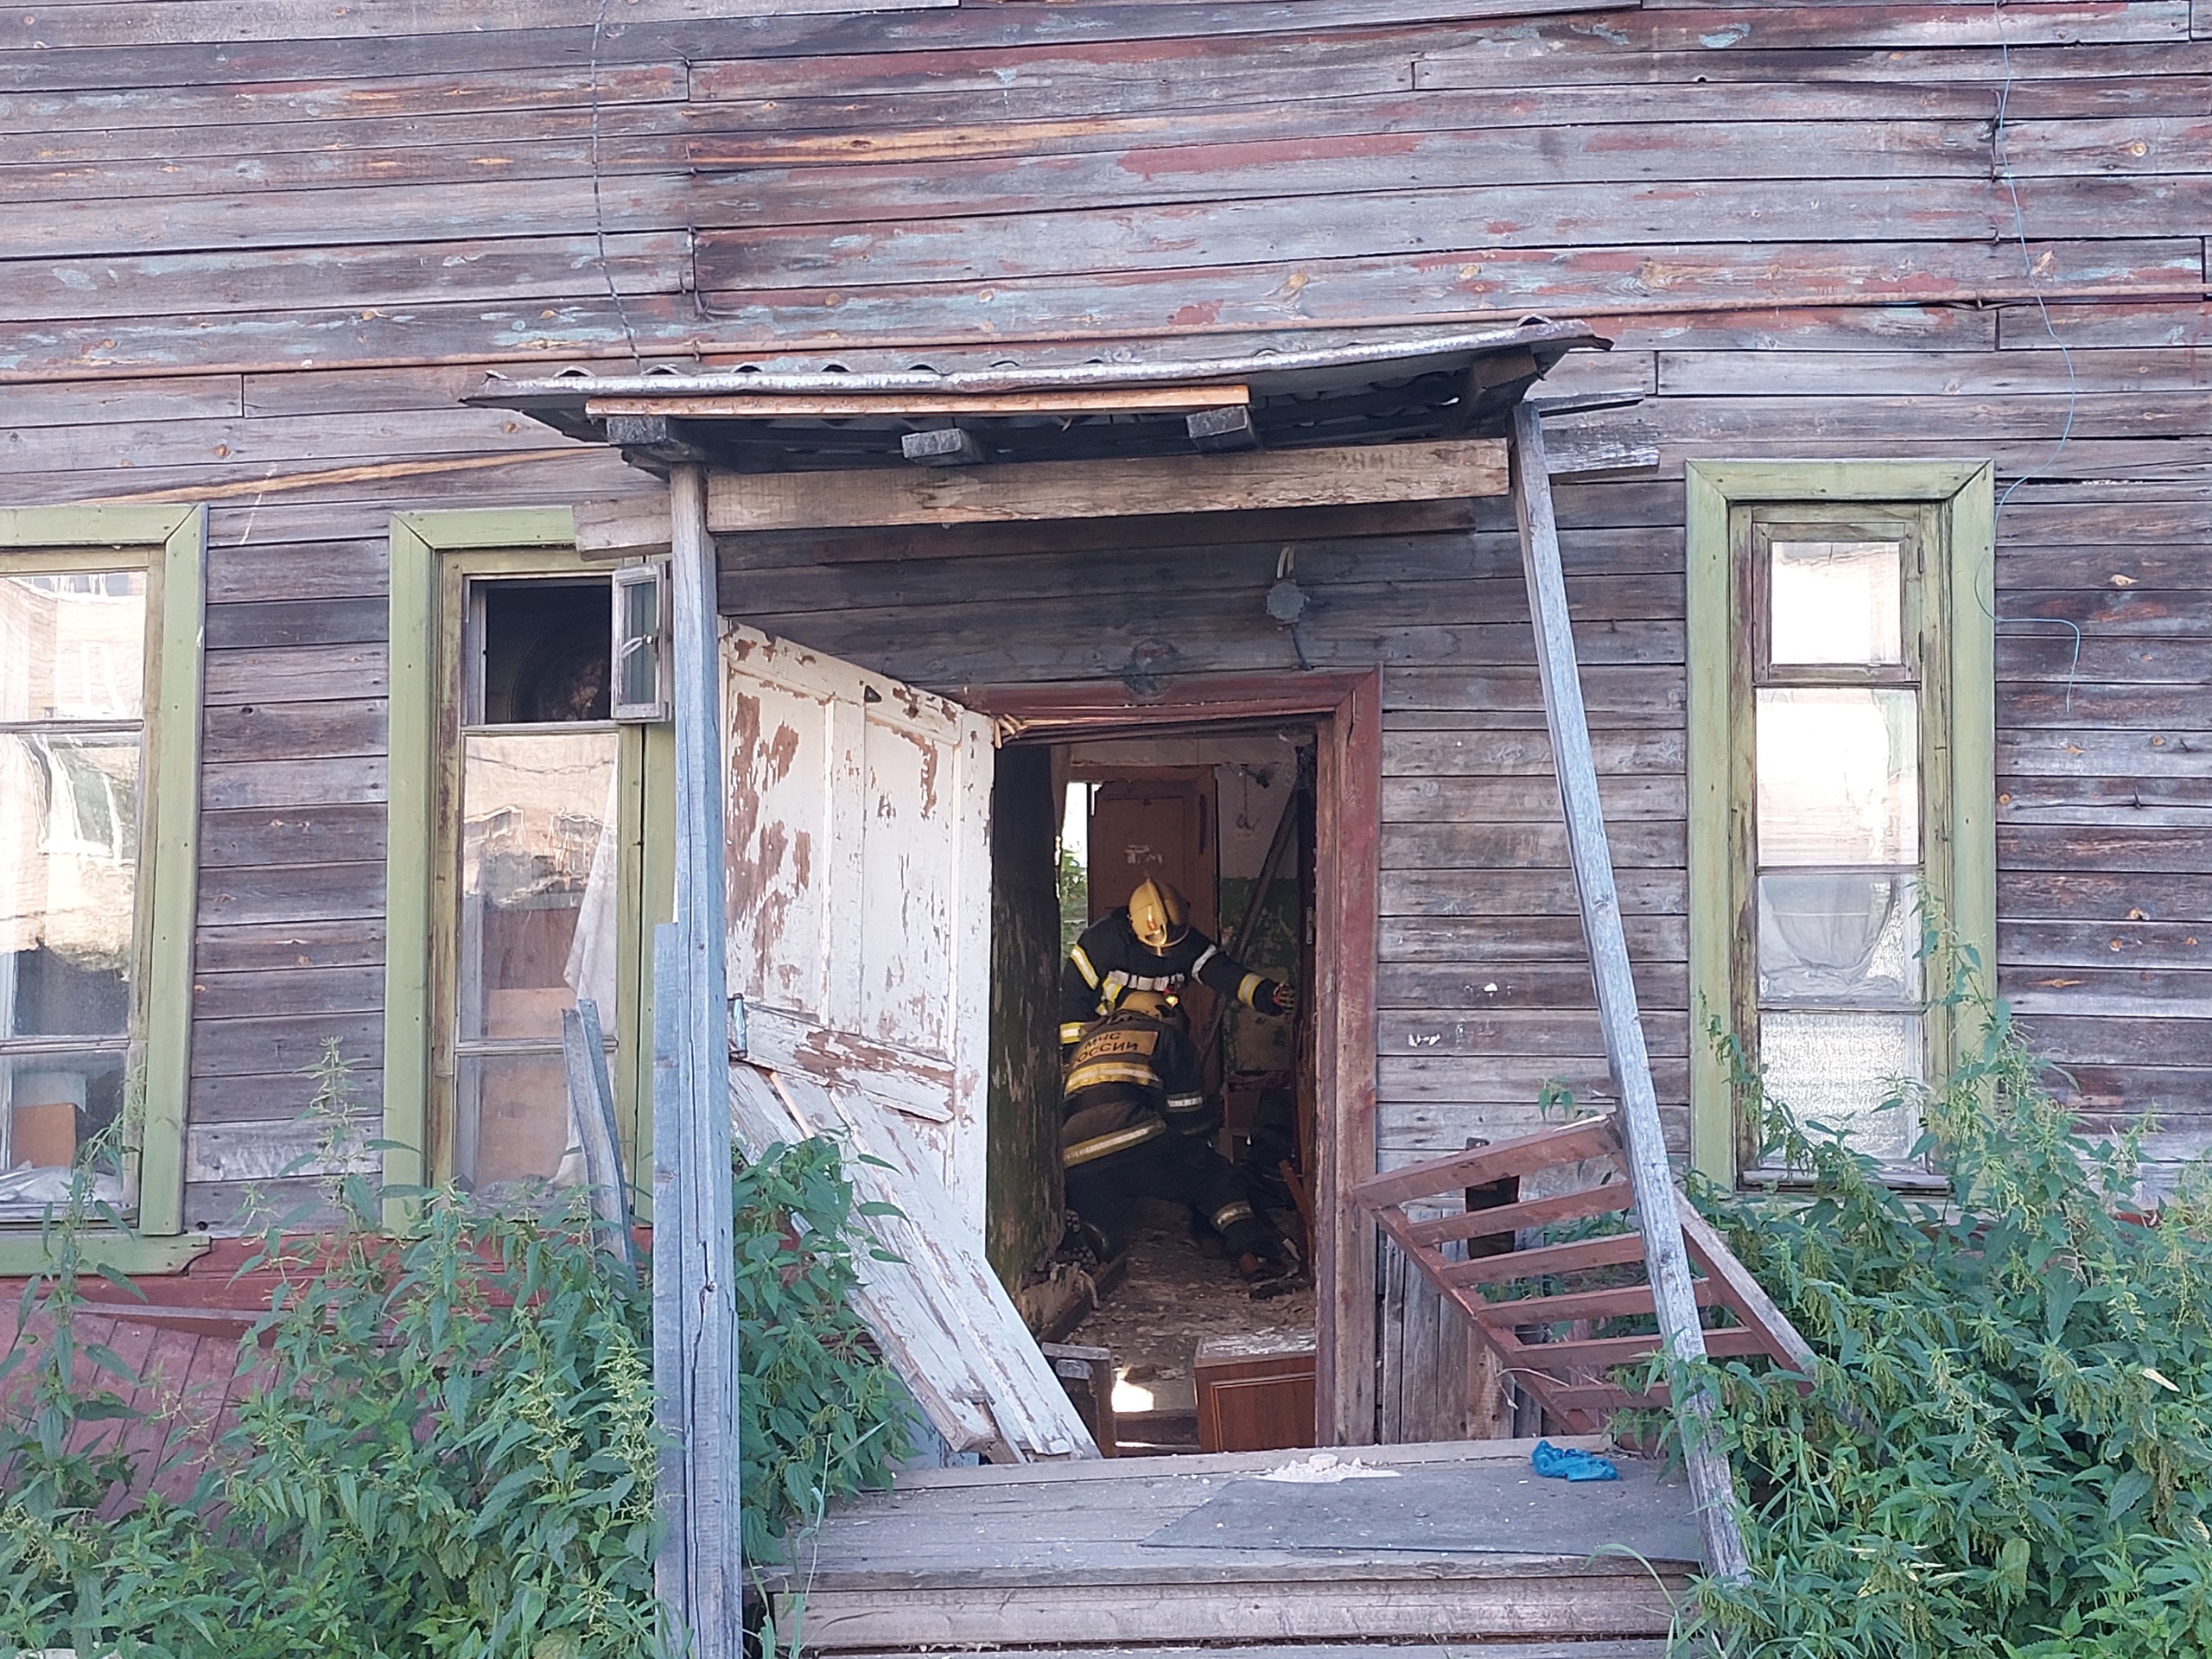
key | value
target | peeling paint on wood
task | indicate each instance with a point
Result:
(859, 887)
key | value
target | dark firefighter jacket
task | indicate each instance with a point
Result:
(1133, 1079)
(1111, 959)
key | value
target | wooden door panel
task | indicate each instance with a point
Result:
(859, 879)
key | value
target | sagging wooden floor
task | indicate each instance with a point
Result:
(1462, 1544)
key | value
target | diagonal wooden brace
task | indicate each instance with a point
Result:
(1649, 1177)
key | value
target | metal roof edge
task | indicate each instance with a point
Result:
(571, 390)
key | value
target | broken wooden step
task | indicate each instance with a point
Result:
(1459, 1219)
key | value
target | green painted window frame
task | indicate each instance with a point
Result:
(170, 543)
(434, 555)
(1955, 589)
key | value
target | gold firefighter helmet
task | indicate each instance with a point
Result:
(1157, 1004)
(1159, 915)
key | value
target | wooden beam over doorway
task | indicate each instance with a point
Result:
(1107, 489)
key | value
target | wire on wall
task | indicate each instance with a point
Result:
(2001, 166)
(598, 202)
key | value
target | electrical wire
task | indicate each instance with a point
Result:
(2002, 165)
(599, 204)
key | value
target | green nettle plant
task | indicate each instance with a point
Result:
(2006, 1451)
(448, 1449)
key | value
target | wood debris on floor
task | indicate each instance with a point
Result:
(1173, 1296)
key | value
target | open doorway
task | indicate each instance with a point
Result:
(894, 930)
(1166, 1345)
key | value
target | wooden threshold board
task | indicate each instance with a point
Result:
(1237, 1463)
(1056, 1557)
(1630, 1649)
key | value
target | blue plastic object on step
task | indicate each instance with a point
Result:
(1571, 1463)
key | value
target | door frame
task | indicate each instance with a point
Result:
(1346, 710)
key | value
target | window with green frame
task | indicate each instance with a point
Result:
(100, 742)
(1842, 786)
(529, 849)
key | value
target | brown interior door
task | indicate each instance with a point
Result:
(1160, 825)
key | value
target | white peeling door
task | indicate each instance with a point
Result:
(859, 881)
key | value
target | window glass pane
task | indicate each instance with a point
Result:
(538, 880)
(1835, 602)
(1839, 776)
(72, 645)
(51, 1106)
(1838, 935)
(514, 1123)
(638, 669)
(68, 874)
(1837, 1069)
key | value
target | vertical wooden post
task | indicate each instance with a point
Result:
(695, 1319)
(1712, 1486)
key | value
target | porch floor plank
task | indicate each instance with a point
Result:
(1053, 1559)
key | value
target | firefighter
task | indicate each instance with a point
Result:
(1149, 946)
(1139, 1124)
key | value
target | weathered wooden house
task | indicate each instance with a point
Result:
(1881, 520)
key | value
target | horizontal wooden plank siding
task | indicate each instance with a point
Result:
(257, 250)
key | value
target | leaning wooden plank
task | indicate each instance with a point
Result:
(591, 1106)
(1107, 489)
(1642, 1137)
(1023, 1393)
(1023, 1378)
(891, 1298)
(1529, 1212)
(1524, 1154)
(905, 1082)
(888, 1298)
(908, 1226)
(975, 1322)
(1749, 1297)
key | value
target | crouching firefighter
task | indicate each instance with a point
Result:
(1139, 1125)
(1149, 946)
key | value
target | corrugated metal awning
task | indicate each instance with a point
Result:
(1383, 391)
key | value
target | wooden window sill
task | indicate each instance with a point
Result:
(25, 1253)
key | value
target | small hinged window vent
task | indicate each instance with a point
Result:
(641, 691)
